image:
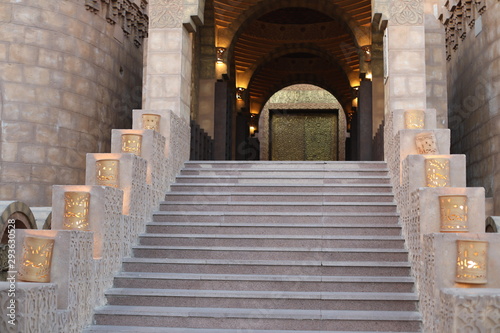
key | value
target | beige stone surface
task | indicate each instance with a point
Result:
(60, 68)
(445, 257)
(408, 146)
(430, 209)
(416, 170)
(399, 120)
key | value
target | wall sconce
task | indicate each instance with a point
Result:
(426, 143)
(355, 103)
(472, 262)
(367, 51)
(37, 258)
(108, 173)
(76, 211)
(239, 92)
(252, 130)
(453, 213)
(437, 172)
(132, 143)
(414, 119)
(220, 51)
(151, 121)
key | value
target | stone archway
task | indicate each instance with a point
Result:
(301, 97)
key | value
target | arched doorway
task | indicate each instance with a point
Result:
(302, 122)
(265, 46)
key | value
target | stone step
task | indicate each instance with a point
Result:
(269, 299)
(273, 228)
(282, 173)
(143, 329)
(211, 266)
(283, 319)
(274, 207)
(265, 253)
(267, 217)
(282, 180)
(205, 196)
(281, 188)
(305, 241)
(314, 283)
(320, 165)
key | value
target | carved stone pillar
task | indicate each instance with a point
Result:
(405, 56)
(167, 73)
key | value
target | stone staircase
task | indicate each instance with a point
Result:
(268, 247)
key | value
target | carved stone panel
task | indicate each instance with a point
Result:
(407, 12)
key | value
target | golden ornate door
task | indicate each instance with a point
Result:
(304, 135)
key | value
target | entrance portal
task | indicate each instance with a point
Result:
(304, 135)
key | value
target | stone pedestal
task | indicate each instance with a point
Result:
(132, 180)
(152, 150)
(414, 172)
(71, 268)
(398, 120)
(105, 218)
(429, 209)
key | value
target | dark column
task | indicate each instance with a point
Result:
(364, 121)
(222, 122)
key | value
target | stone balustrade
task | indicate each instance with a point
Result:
(107, 220)
(420, 178)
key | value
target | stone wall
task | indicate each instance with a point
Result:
(69, 72)
(474, 92)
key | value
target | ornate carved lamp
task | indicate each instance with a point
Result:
(36, 259)
(108, 173)
(453, 213)
(151, 121)
(472, 262)
(437, 172)
(76, 211)
(132, 143)
(414, 119)
(426, 143)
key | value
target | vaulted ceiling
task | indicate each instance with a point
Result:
(275, 43)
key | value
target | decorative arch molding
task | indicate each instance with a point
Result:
(360, 35)
(297, 78)
(18, 211)
(325, 101)
(245, 79)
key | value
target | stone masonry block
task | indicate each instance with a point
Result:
(442, 262)
(430, 208)
(165, 122)
(399, 120)
(408, 146)
(152, 149)
(72, 254)
(132, 179)
(415, 165)
(104, 216)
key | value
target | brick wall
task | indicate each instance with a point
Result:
(67, 76)
(474, 101)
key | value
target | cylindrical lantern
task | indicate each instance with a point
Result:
(472, 262)
(437, 172)
(76, 211)
(132, 143)
(426, 143)
(414, 119)
(107, 173)
(151, 121)
(37, 257)
(453, 213)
